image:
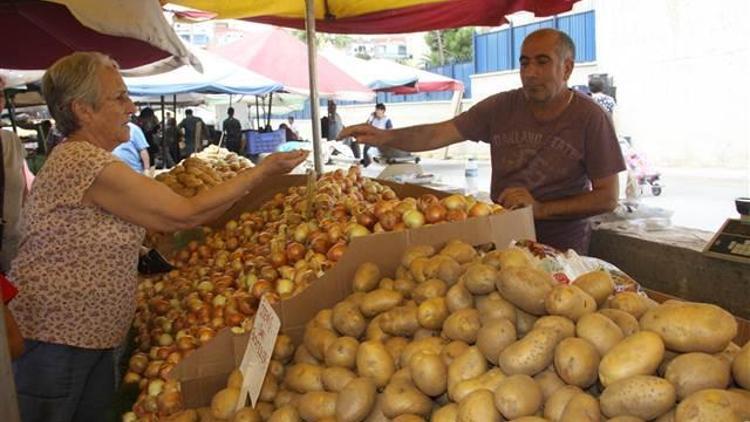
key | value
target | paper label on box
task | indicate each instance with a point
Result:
(258, 352)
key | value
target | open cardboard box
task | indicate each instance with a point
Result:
(205, 371)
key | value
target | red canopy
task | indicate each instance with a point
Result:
(427, 17)
(278, 55)
(37, 33)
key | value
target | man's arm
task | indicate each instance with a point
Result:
(601, 199)
(412, 139)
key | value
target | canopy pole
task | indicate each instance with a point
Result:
(11, 110)
(312, 59)
(270, 104)
(163, 138)
(257, 114)
(174, 129)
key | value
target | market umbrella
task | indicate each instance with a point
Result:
(133, 32)
(379, 17)
(278, 55)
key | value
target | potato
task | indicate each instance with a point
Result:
(741, 367)
(691, 327)
(525, 287)
(286, 413)
(317, 405)
(562, 325)
(304, 377)
(508, 257)
(549, 382)
(429, 289)
(269, 388)
(598, 284)
(489, 381)
(531, 354)
(348, 320)
(424, 332)
(480, 279)
(468, 365)
(418, 267)
(223, 403)
(460, 251)
(387, 283)
(633, 303)
(324, 319)
(247, 414)
(639, 354)
(627, 322)
(493, 306)
(458, 297)
(443, 268)
(395, 346)
(400, 321)
(524, 322)
(530, 419)
(374, 361)
(235, 379)
(416, 251)
(600, 331)
(283, 350)
(432, 345)
(404, 286)
(569, 301)
(478, 406)
(356, 401)
(625, 419)
(517, 396)
(447, 413)
(302, 355)
(342, 352)
(366, 277)
(581, 408)
(408, 418)
(188, 415)
(432, 313)
(356, 298)
(728, 354)
(667, 417)
(380, 300)
(494, 336)
(284, 397)
(402, 375)
(577, 362)
(374, 332)
(336, 378)
(276, 369)
(693, 372)
(555, 405)
(402, 398)
(452, 350)
(429, 373)
(708, 406)
(317, 340)
(462, 325)
(644, 396)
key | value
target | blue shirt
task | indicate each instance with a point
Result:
(130, 151)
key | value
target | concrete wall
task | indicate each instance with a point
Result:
(681, 72)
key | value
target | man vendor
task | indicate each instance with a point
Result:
(552, 148)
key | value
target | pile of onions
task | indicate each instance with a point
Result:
(273, 252)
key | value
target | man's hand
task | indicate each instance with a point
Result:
(365, 133)
(282, 162)
(519, 197)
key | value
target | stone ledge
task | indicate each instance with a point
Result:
(671, 262)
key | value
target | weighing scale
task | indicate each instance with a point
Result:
(732, 241)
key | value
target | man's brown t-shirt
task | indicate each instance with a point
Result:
(553, 160)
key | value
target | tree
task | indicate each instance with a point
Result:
(449, 46)
(336, 40)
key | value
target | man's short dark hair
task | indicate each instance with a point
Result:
(566, 45)
(380, 106)
(146, 112)
(188, 112)
(290, 117)
(230, 111)
(596, 85)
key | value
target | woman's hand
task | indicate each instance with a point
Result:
(282, 162)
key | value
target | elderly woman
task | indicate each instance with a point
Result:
(82, 228)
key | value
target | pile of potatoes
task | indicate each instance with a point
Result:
(460, 335)
(197, 173)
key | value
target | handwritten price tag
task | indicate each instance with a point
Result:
(258, 352)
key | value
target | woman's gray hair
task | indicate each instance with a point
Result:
(71, 78)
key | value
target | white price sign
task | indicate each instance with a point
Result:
(258, 352)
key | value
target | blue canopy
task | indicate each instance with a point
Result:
(220, 76)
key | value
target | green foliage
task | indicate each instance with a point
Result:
(449, 46)
(336, 40)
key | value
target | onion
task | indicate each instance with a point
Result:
(205, 334)
(389, 219)
(480, 209)
(454, 202)
(138, 363)
(320, 243)
(231, 225)
(284, 286)
(425, 201)
(357, 230)
(301, 232)
(131, 378)
(261, 287)
(413, 219)
(366, 219)
(165, 340)
(435, 213)
(295, 251)
(152, 370)
(278, 258)
(456, 215)
(336, 251)
(186, 342)
(169, 402)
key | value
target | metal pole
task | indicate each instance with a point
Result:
(174, 129)
(11, 110)
(312, 61)
(163, 139)
(8, 402)
(270, 104)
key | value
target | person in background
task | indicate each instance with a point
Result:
(174, 139)
(134, 152)
(333, 125)
(292, 128)
(596, 86)
(192, 127)
(232, 132)
(380, 121)
(81, 233)
(149, 124)
(552, 148)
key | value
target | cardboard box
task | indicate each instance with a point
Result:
(205, 371)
